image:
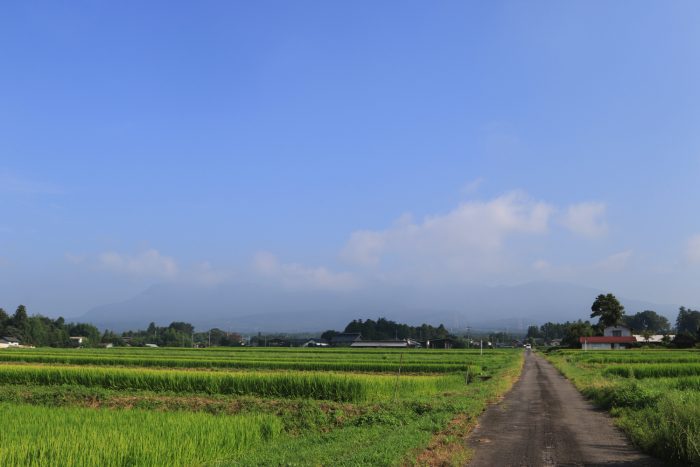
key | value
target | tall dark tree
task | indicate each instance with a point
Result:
(688, 322)
(648, 320)
(608, 310)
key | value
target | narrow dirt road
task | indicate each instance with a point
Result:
(544, 421)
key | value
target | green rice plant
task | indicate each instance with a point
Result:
(654, 370)
(40, 436)
(329, 386)
(167, 362)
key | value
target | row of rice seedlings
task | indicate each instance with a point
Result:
(654, 370)
(287, 353)
(377, 366)
(40, 436)
(326, 386)
(641, 359)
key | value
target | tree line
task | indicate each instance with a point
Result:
(385, 329)
(40, 331)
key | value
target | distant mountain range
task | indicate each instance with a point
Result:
(251, 308)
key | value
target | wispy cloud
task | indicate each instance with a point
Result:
(472, 186)
(149, 263)
(11, 182)
(293, 275)
(615, 262)
(692, 249)
(586, 219)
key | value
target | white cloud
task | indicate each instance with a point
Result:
(293, 275)
(468, 239)
(149, 263)
(615, 262)
(586, 219)
(692, 250)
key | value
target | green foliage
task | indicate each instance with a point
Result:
(608, 310)
(688, 322)
(383, 329)
(41, 331)
(647, 320)
(573, 331)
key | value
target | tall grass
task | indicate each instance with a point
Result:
(41, 436)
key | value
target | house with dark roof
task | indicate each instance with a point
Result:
(345, 339)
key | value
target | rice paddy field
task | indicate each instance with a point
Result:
(654, 395)
(245, 406)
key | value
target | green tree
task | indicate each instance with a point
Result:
(688, 322)
(533, 332)
(648, 320)
(608, 310)
(19, 323)
(576, 330)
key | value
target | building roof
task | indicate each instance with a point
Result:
(346, 337)
(608, 340)
(10, 339)
(654, 339)
(379, 344)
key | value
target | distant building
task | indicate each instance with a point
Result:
(345, 339)
(444, 343)
(388, 344)
(315, 342)
(78, 340)
(654, 339)
(6, 342)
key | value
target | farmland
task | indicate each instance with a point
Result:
(654, 395)
(246, 406)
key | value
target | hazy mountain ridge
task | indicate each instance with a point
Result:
(255, 307)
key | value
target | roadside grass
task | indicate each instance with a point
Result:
(655, 403)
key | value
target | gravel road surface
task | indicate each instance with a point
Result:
(544, 421)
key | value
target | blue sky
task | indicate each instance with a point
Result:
(328, 144)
